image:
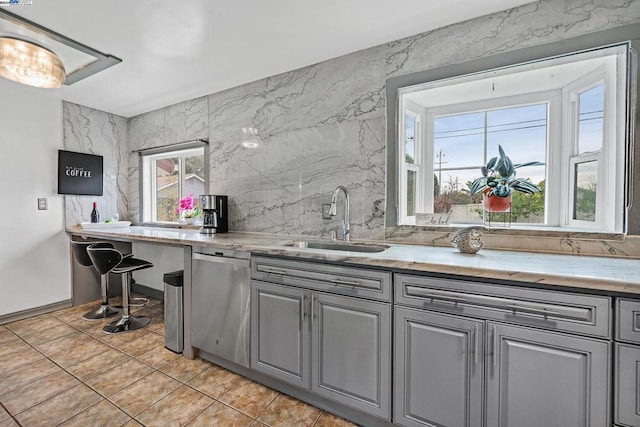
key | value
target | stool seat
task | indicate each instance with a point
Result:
(81, 255)
(110, 260)
(131, 264)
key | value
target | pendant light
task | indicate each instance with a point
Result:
(27, 63)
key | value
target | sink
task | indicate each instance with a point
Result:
(331, 246)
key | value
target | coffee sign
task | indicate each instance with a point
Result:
(79, 173)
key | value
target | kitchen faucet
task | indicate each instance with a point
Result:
(343, 234)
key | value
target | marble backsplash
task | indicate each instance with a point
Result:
(324, 125)
(177, 123)
(92, 131)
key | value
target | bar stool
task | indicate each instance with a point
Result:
(109, 260)
(105, 310)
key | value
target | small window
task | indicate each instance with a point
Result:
(167, 177)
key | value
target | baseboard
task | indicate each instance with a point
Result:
(147, 291)
(19, 315)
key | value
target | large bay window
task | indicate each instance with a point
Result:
(566, 112)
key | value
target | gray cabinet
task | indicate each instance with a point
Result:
(477, 354)
(347, 359)
(537, 378)
(438, 364)
(627, 380)
(627, 363)
(280, 332)
(350, 352)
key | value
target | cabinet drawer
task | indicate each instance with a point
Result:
(628, 320)
(342, 280)
(585, 314)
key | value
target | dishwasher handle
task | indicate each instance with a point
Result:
(221, 259)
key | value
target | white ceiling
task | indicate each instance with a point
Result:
(175, 51)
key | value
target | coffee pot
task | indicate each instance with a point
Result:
(214, 214)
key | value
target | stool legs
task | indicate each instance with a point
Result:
(127, 322)
(105, 310)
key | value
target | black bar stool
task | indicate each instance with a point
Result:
(109, 260)
(105, 310)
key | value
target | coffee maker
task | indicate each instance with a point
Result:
(214, 214)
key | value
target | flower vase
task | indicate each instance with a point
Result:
(189, 221)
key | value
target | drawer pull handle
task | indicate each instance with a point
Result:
(345, 282)
(445, 298)
(273, 271)
(535, 310)
(636, 321)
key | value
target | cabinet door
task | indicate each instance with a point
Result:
(280, 332)
(537, 378)
(627, 380)
(351, 352)
(438, 364)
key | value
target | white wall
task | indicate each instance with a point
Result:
(34, 249)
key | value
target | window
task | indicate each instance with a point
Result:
(169, 176)
(564, 112)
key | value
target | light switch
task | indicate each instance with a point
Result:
(42, 204)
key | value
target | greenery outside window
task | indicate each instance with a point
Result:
(169, 176)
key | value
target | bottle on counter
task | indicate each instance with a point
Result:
(95, 215)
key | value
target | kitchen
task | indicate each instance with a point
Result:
(333, 111)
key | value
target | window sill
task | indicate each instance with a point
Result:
(514, 230)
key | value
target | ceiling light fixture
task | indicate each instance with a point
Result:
(101, 61)
(27, 63)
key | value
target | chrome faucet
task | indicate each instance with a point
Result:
(343, 234)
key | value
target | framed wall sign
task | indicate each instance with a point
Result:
(79, 173)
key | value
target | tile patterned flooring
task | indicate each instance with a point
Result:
(57, 369)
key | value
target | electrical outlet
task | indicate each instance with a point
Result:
(42, 204)
(325, 211)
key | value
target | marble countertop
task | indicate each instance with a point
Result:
(587, 272)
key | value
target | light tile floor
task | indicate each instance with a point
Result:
(59, 369)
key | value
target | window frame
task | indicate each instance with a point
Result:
(616, 158)
(404, 167)
(148, 184)
(551, 97)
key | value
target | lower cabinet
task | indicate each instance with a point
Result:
(348, 358)
(438, 370)
(627, 372)
(280, 332)
(538, 378)
(533, 377)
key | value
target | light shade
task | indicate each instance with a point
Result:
(30, 64)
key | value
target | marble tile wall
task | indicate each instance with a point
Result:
(324, 125)
(95, 132)
(177, 123)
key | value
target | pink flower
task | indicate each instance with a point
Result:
(187, 207)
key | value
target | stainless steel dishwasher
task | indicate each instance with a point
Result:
(220, 305)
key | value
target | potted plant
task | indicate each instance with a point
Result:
(498, 181)
(188, 211)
